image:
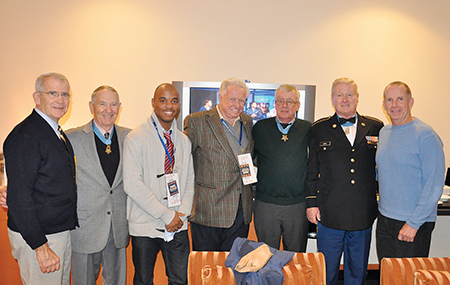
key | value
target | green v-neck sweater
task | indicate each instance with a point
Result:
(281, 164)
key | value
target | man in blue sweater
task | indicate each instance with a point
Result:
(411, 167)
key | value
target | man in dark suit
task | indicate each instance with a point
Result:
(42, 186)
(341, 184)
(103, 233)
(222, 208)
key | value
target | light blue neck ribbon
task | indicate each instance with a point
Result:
(280, 127)
(101, 136)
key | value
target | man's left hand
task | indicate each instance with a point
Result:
(407, 233)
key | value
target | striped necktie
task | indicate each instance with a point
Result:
(61, 135)
(168, 167)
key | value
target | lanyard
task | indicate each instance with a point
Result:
(240, 136)
(162, 142)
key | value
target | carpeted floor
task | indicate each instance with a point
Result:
(373, 277)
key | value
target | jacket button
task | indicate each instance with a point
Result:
(352, 160)
(110, 192)
(109, 213)
(353, 181)
(352, 170)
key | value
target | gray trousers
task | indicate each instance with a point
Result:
(288, 221)
(86, 266)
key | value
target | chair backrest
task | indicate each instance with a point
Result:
(199, 259)
(399, 271)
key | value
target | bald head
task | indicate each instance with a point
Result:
(166, 104)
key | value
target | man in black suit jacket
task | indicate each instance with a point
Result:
(42, 186)
(341, 184)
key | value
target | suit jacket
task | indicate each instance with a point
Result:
(341, 178)
(41, 181)
(218, 179)
(100, 205)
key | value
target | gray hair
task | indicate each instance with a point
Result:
(344, 80)
(289, 88)
(100, 88)
(39, 85)
(399, 83)
(233, 81)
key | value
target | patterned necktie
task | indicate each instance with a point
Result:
(169, 145)
(61, 135)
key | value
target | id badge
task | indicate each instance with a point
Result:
(248, 172)
(173, 192)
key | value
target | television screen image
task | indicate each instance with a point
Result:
(197, 96)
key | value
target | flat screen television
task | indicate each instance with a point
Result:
(197, 95)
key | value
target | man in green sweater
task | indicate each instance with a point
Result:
(281, 156)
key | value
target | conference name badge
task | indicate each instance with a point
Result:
(173, 192)
(248, 172)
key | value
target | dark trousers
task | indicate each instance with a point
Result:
(288, 221)
(175, 254)
(354, 244)
(388, 244)
(206, 238)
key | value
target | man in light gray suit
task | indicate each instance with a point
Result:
(103, 233)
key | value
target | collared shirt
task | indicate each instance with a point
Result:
(103, 131)
(284, 131)
(351, 135)
(221, 117)
(53, 124)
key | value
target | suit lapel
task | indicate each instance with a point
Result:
(337, 131)
(90, 148)
(120, 139)
(361, 129)
(248, 131)
(216, 126)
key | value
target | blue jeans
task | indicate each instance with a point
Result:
(175, 254)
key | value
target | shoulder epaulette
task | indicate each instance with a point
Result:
(372, 118)
(321, 120)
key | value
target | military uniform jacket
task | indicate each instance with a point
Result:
(341, 178)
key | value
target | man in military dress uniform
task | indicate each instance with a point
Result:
(341, 184)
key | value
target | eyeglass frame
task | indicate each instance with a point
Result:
(55, 94)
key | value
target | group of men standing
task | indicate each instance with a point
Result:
(82, 210)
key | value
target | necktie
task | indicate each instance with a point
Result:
(168, 166)
(343, 120)
(61, 135)
(107, 135)
(284, 125)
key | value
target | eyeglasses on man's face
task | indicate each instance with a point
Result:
(290, 103)
(55, 94)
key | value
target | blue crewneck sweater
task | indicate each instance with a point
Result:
(411, 165)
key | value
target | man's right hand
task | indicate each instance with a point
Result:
(313, 215)
(48, 260)
(176, 223)
(3, 197)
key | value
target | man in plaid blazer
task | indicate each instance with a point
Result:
(222, 207)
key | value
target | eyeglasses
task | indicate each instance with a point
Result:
(54, 94)
(290, 103)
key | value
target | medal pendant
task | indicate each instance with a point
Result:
(347, 131)
(108, 149)
(284, 138)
